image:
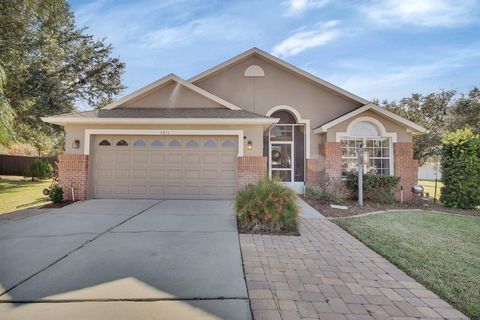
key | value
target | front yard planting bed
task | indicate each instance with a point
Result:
(354, 209)
(267, 207)
(439, 250)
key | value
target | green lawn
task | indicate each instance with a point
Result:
(19, 193)
(441, 251)
(429, 186)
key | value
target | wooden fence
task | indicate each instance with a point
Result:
(16, 165)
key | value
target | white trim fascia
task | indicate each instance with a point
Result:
(133, 121)
(163, 81)
(299, 120)
(166, 132)
(373, 107)
(285, 65)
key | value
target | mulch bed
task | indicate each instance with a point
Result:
(354, 209)
(58, 205)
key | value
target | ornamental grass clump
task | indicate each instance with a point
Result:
(267, 207)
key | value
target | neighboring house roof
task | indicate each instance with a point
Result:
(415, 128)
(164, 81)
(286, 65)
(162, 115)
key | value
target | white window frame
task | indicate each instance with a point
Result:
(383, 134)
(365, 138)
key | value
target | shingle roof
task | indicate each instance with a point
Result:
(205, 113)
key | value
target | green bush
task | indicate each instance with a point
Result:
(376, 188)
(460, 165)
(334, 192)
(56, 194)
(39, 169)
(267, 206)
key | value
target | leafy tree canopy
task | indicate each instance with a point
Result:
(438, 113)
(49, 65)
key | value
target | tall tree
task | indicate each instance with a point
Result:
(466, 112)
(429, 111)
(51, 65)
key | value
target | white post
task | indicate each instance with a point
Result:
(360, 176)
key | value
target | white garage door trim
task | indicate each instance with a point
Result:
(238, 133)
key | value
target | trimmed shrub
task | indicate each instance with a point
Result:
(334, 192)
(460, 165)
(56, 194)
(376, 188)
(267, 206)
(39, 169)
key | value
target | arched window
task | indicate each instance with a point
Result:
(122, 143)
(104, 143)
(192, 144)
(139, 143)
(156, 143)
(228, 144)
(210, 144)
(364, 129)
(285, 117)
(175, 143)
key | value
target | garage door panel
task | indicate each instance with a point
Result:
(227, 174)
(140, 158)
(156, 158)
(139, 190)
(210, 158)
(174, 173)
(193, 173)
(122, 157)
(193, 158)
(139, 174)
(121, 173)
(157, 173)
(119, 189)
(175, 158)
(173, 167)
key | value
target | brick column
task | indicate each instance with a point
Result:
(73, 172)
(405, 167)
(331, 152)
(250, 170)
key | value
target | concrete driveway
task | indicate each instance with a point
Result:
(124, 259)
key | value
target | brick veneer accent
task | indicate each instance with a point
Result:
(250, 170)
(405, 167)
(73, 171)
(331, 154)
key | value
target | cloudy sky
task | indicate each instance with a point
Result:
(383, 49)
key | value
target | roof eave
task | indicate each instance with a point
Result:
(132, 121)
(412, 127)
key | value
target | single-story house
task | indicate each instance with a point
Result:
(209, 136)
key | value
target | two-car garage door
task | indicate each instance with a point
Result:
(164, 167)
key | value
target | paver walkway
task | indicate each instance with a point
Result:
(327, 274)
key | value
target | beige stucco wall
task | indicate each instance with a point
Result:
(278, 87)
(173, 95)
(390, 126)
(251, 132)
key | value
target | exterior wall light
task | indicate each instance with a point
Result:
(76, 144)
(249, 145)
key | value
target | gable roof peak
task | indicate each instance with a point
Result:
(269, 57)
(164, 81)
